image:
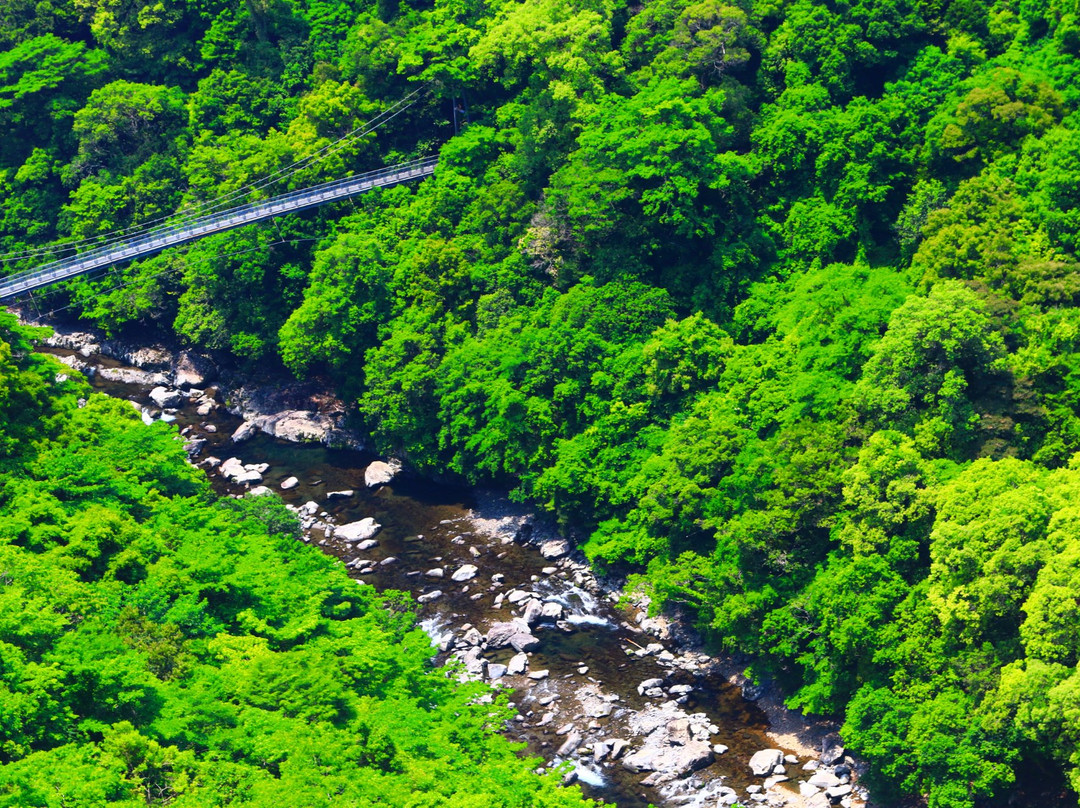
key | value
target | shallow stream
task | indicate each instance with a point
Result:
(427, 525)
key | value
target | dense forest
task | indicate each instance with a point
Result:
(774, 304)
(161, 646)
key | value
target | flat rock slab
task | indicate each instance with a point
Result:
(670, 760)
(465, 572)
(556, 548)
(357, 531)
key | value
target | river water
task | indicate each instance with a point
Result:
(596, 655)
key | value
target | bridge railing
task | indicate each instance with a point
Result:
(189, 228)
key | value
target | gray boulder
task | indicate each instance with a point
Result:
(243, 432)
(165, 398)
(570, 745)
(649, 684)
(357, 531)
(464, 573)
(524, 642)
(764, 763)
(552, 611)
(193, 370)
(534, 610)
(556, 548)
(519, 663)
(132, 376)
(248, 477)
(832, 749)
(499, 634)
(380, 472)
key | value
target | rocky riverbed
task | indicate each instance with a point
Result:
(628, 704)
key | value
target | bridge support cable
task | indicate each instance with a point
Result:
(142, 245)
(210, 206)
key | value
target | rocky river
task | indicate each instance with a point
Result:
(630, 705)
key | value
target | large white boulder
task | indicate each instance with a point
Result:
(763, 763)
(380, 472)
(357, 531)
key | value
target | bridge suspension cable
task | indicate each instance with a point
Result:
(156, 240)
(208, 207)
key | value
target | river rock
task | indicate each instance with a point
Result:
(649, 684)
(763, 763)
(153, 357)
(474, 662)
(435, 572)
(665, 755)
(472, 636)
(727, 796)
(519, 663)
(247, 477)
(429, 596)
(297, 426)
(232, 468)
(380, 472)
(672, 745)
(142, 378)
(357, 531)
(824, 779)
(552, 611)
(570, 745)
(496, 670)
(499, 634)
(555, 548)
(289, 483)
(243, 432)
(832, 749)
(367, 544)
(193, 370)
(465, 572)
(534, 610)
(345, 493)
(75, 363)
(194, 446)
(524, 642)
(165, 398)
(259, 491)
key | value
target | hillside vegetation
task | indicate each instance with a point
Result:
(159, 646)
(775, 303)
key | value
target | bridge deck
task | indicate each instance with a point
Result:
(141, 245)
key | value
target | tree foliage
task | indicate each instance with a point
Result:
(775, 303)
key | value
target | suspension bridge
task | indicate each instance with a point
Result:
(131, 245)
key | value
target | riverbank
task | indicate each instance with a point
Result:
(631, 703)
